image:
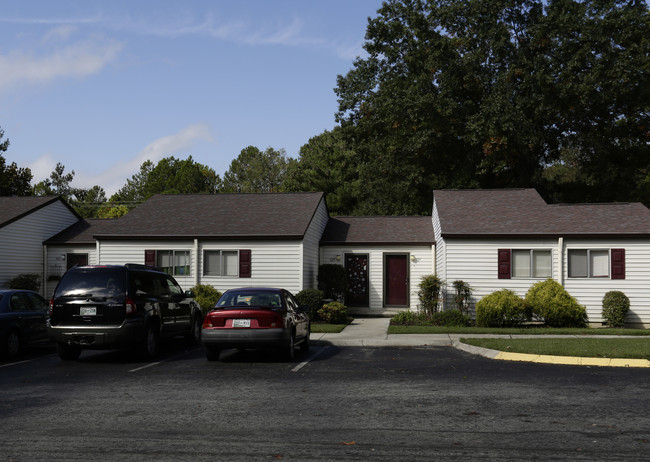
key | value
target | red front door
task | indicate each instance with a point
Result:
(396, 277)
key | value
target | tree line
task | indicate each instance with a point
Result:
(552, 94)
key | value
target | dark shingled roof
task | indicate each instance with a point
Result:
(221, 216)
(416, 230)
(82, 232)
(13, 208)
(523, 212)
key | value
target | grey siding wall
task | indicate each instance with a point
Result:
(311, 247)
(21, 242)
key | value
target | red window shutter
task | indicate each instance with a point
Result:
(618, 263)
(245, 263)
(150, 257)
(504, 263)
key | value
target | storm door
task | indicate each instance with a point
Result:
(356, 266)
(396, 279)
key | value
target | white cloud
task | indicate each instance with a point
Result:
(78, 60)
(172, 145)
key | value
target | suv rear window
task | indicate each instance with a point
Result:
(94, 282)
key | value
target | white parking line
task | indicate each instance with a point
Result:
(158, 362)
(26, 361)
(145, 366)
(311, 358)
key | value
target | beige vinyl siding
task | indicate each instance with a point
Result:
(475, 262)
(56, 261)
(441, 269)
(21, 242)
(273, 264)
(311, 247)
(636, 285)
(122, 252)
(423, 265)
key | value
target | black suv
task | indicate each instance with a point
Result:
(108, 307)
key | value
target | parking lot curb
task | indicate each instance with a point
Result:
(548, 359)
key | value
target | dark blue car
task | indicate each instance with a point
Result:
(23, 316)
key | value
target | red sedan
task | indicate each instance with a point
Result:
(256, 318)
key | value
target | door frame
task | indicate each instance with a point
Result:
(406, 256)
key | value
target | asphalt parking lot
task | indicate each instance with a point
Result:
(332, 403)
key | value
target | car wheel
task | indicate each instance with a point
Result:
(194, 337)
(12, 344)
(212, 353)
(304, 346)
(151, 346)
(68, 352)
(290, 351)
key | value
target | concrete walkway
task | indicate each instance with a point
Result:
(373, 332)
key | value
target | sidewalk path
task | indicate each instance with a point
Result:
(373, 332)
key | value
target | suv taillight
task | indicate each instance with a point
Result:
(130, 306)
(51, 309)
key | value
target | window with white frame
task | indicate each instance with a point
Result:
(588, 263)
(220, 263)
(528, 263)
(174, 262)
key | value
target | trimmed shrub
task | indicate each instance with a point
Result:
(332, 280)
(451, 318)
(206, 296)
(550, 302)
(312, 298)
(408, 318)
(429, 294)
(615, 307)
(27, 281)
(503, 308)
(334, 313)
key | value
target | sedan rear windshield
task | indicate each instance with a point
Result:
(250, 298)
(94, 282)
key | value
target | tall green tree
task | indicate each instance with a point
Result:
(14, 181)
(86, 202)
(326, 164)
(255, 171)
(168, 176)
(499, 93)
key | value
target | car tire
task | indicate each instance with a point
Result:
(151, 342)
(68, 352)
(306, 343)
(12, 344)
(290, 349)
(194, 337)
(212, 353)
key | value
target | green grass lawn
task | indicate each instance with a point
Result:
(582, 347)
(322, 328)
(514, 331)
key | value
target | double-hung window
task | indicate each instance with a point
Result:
(593, 263)
(526, 263)
(221, 263)
(174, 262)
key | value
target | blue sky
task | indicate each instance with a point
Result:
(102, 86)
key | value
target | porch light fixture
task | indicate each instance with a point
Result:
(413, 259)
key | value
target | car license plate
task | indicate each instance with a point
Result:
(241, 322)
(88, 311)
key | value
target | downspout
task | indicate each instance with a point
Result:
(97, 250)
(560, 250)
(45, 275)
(196, 262)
